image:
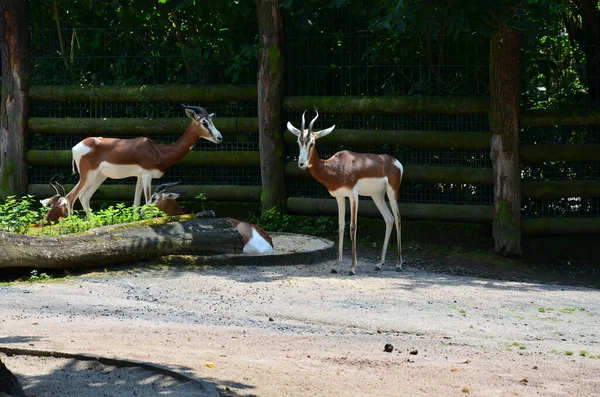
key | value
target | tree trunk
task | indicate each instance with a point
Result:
(270, 97)
(112, 245)
(14, 104)
(505, 93)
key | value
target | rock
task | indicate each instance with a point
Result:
(388, 348)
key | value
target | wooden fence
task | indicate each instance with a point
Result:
(530, 154)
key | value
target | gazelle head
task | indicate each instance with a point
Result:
(203, 120)
(165, 200)
(58, 203)
(307, 138)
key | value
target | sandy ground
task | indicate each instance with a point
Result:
(301, 331)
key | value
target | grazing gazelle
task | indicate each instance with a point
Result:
(165, 199)
(99, 158)
(58, 204)
(350, 174)
(256, 240)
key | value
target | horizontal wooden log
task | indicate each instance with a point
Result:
(120, 244)
(564, 116)
(145, 93)
(200, 158)
(240, 193)
(423, 173)
(413, 211)
(535, 154)
(414, 139)
(560, 189)
(560, 226)
(388, 105)
(136, 126)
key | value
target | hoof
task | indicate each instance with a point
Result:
(378, 268)
(351, 272)
(398, 268)
(334, 271)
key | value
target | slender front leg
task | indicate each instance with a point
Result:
(353, 217)
(341, 203)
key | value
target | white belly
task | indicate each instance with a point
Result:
(120, 171)
(257, 245)
(365, 187)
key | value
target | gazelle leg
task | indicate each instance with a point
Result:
(341, 203)
(147, 186)
(89, 191)
(353, 218)
(393, 197)
(137, 198)
(379, 200)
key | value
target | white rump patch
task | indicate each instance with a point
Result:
(257, 245)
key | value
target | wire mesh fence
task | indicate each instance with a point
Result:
(327, 53)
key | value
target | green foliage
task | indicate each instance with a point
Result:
(317, 226)
(35, 276)
(202, 198)
(16, 216)
(274, 220)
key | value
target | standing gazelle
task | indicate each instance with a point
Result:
(99, 158)
(350, 174)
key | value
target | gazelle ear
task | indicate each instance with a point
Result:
(210, 116)
(171, 195)
(293, 129)
(190, 113)
(322, 133)
(45, 202)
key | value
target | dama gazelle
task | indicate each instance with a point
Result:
(165, 200)
(350, 174)
(256, 240)
(99, 158)
(58, 204)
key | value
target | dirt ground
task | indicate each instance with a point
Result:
(302, 331)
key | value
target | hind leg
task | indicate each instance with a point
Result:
(379, 200)
(393, 197)
(87, 194)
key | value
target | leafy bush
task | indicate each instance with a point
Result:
(274, 220)
(16, 216)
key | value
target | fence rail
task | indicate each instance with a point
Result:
(362, 139)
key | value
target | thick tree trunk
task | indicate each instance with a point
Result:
(120, 244)
(505, 93)
(270, 97)
(14, 104)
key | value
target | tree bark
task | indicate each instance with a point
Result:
(14, 104)
(505, 94)
(111, 245)
(270, 97)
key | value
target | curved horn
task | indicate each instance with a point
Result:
(64, 193)
(198, 109)
(162, 187)
(52, 183)
(313, 121)
(303, 122)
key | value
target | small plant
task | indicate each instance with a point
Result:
(544, 309)
(202, 198)
(583, 353)
(463, 312)
(568, 353)
(35, 276)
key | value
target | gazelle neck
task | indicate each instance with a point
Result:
(174, 152)
(316, 165)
